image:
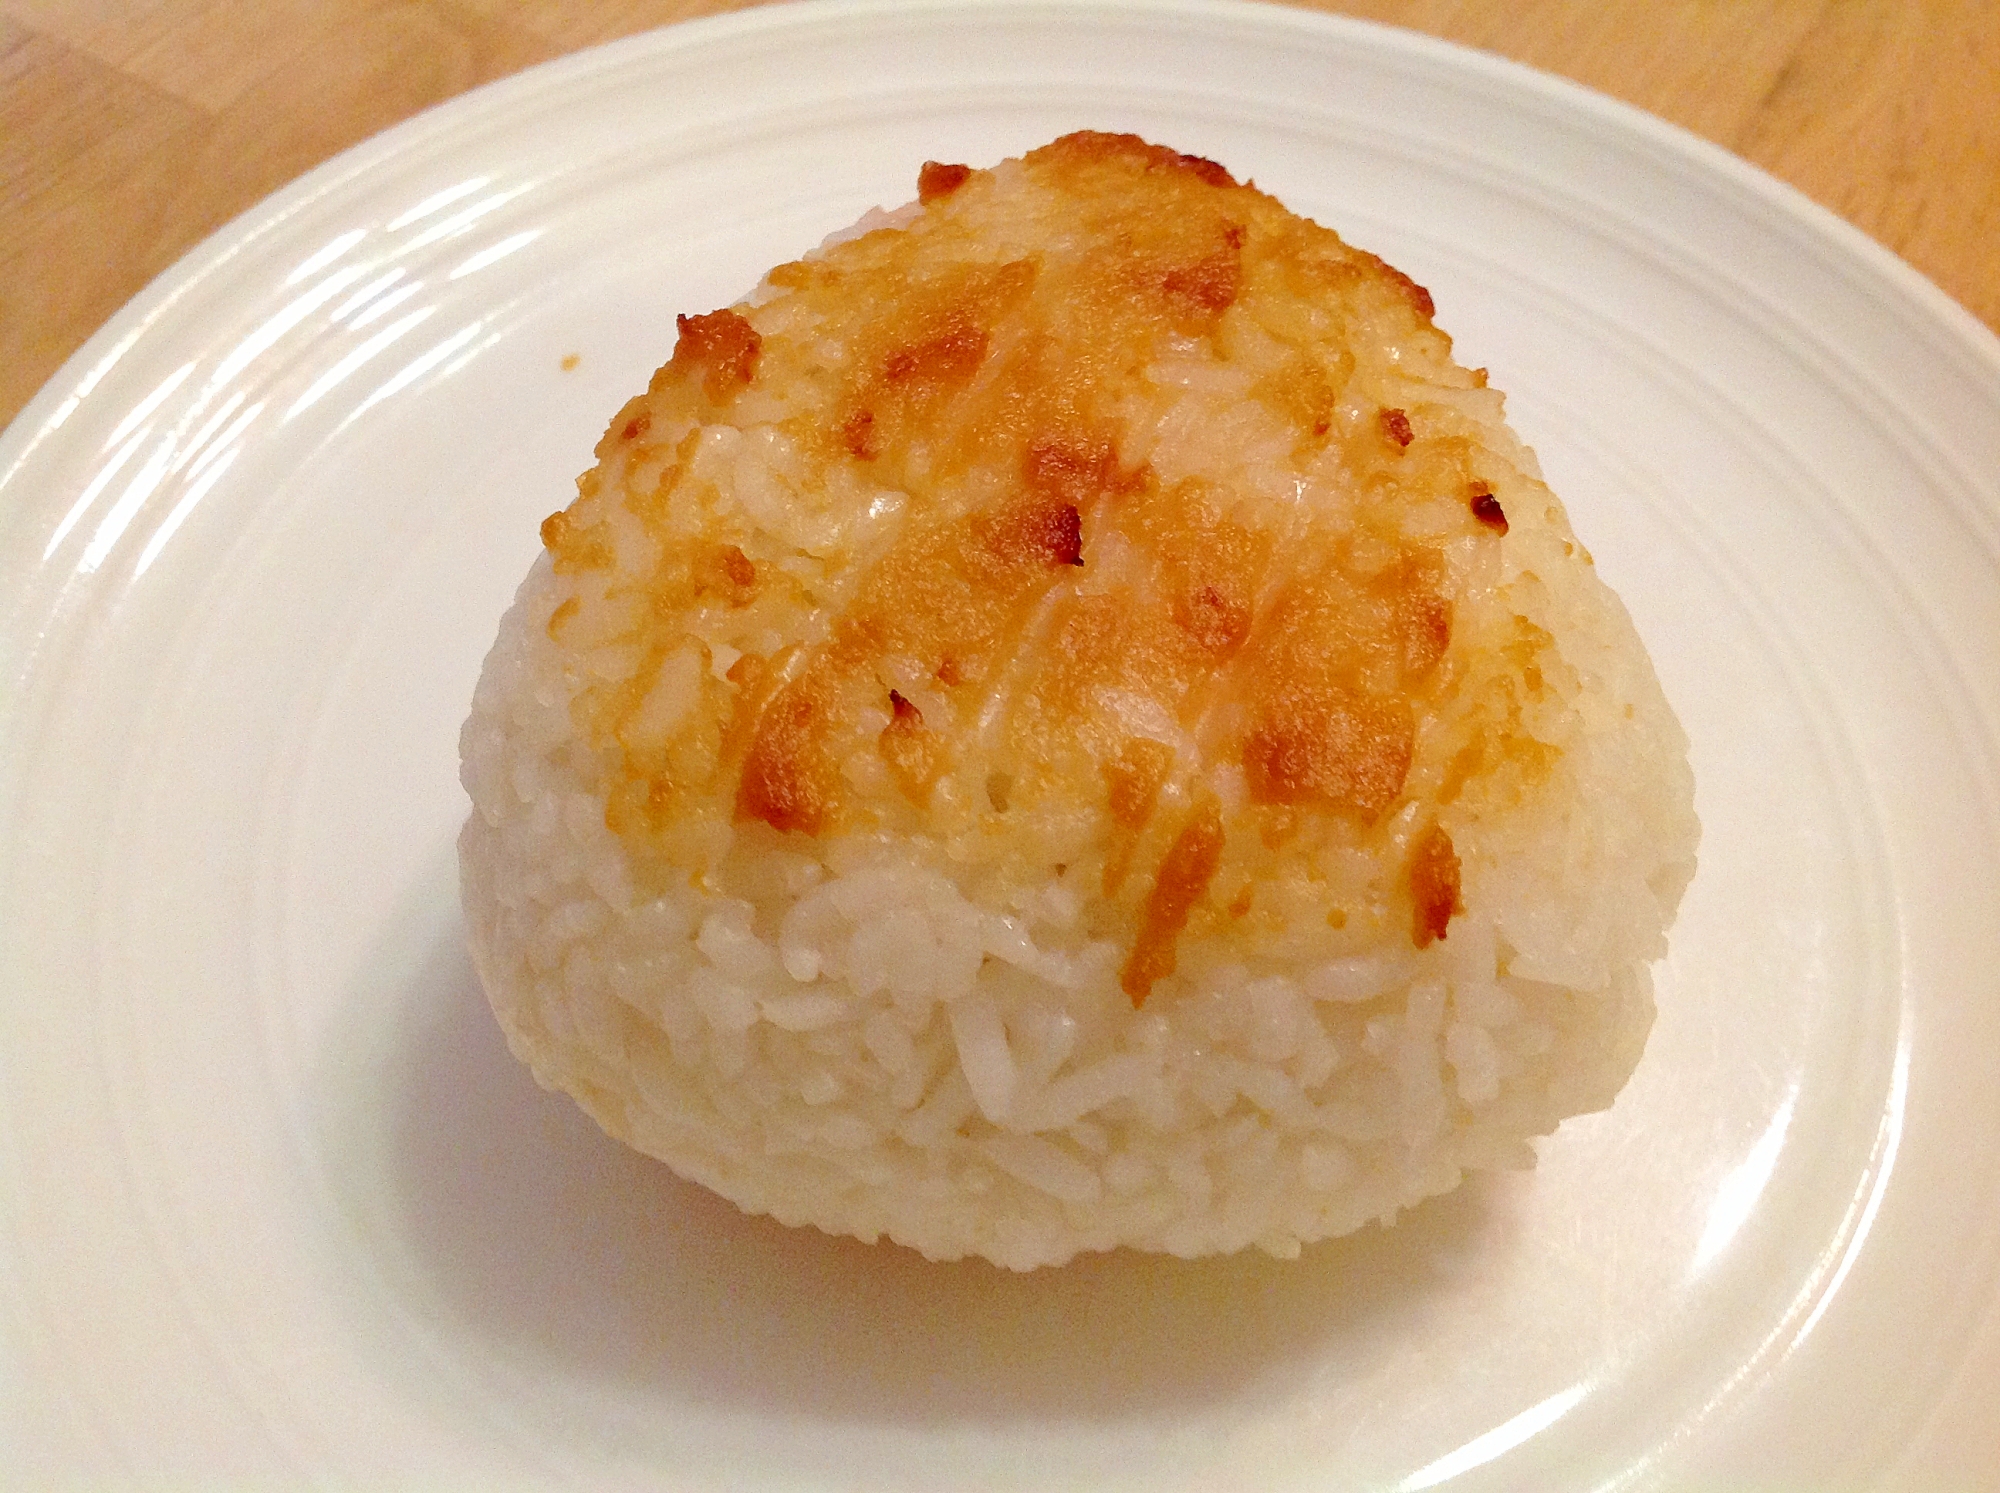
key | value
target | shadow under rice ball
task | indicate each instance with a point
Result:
(1066, 720)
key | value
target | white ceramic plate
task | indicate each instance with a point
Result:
(278, 1208)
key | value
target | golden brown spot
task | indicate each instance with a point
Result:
(1135, 777)
(1486, 508)
(859, 435)
(754, 677)
(1087, 146)
(787, 780)
(912, 752)
(654, 505)
(1464, 765)
(1434, 886)
(726, 572)
(1031, 531)
(1200, 291)
(948, 671)
(1095, 643)
(723, 346)
(950, 354)
(1077, 471)
(573, 547)
(1525, 647)
(956, 591)
(936, 179)
(1422, 615)
(921, 351)
(1210, 569)
(639, 805)
(1396, 426)
(1239, 907)
(1189, 866)
(1418, 298)
(800, 275)
(1216, 620)
(601, 707)
(569, 362)
(1066, 536)
(637, 426)
(565, 610)
(1305, 392)
(1321, 743)
(1209, 171)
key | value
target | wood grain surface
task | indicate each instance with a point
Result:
(129, 129)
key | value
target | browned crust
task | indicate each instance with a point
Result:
(936, 179)
(1327, 746)
(1301, 662)
(1189, 866)
(723, 347)
(1419, 298)
(1486, 508)
(1434, 886)
(788, 780)
(1133, 780)
(1095, 146)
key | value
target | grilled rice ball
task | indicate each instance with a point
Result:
(1066, 720)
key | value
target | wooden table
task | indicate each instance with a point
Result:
(129, 129)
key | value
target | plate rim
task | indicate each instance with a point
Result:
(1924, 303)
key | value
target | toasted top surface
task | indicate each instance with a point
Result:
(1100, 520)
